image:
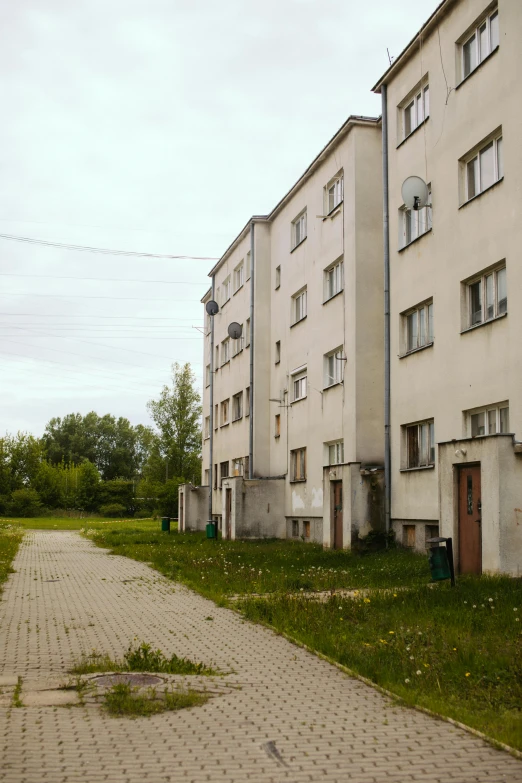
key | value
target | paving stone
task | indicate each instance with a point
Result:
(68, 597)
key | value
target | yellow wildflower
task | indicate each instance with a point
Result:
(467, 674)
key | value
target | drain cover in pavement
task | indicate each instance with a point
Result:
(140, 680)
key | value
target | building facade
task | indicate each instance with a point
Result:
(454, 114)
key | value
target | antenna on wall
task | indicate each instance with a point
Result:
(390, 58)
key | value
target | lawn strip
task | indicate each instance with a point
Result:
(10, 537)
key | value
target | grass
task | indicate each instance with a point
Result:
(140, 659)
(75, 523)
(10, 537)
(17, 693)
(124, 701)
(467, 648)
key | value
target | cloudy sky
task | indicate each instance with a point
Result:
(155, 126)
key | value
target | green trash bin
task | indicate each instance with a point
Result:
(165, 524)
(211, 529)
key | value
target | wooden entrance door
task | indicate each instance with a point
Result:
(470, 520)
(228, 514)
(180, 515)
(337, 511)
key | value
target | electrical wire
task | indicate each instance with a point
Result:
(79, 315)
(89, 296)
(102, 279)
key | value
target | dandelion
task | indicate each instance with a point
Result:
(454, 649)
(408, 648)
(474, 606)
(367, 601)
(517, 619)
(412, 658)
(406, 681)
(383, 641)
(490, 600)
(395, 596)
(418, 672)
(515, 609)
(391, 631)
(467, 674)
(465, 602)
(426, 665)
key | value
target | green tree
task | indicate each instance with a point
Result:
(25, 503)
(48, 484)
(89, 486)
(177, 415)
(20, 458)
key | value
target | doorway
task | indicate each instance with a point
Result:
(228, 513)
(336, 488)
(181, 526)
(470, 520)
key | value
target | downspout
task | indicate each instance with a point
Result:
(251, 395)
(211, 444)
(386, 237)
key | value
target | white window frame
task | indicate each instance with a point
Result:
(207, 428)
(299, 383)
(237, 345)
(227, 285)
(298, 464)
(299, 306)
(247, 332)
(239, 275)
(299, 229)
(414, 223)
(418, 327)
(333, 362)
(277, 425)
(334, 193)
(247, 401)
(248, 264)
(424, 431)
(238, 466)
(495, 420)
(237, 406)
(415, 109)
(225, 412)
(224, 472)
(473, 168)
(491, 306)
(482, 40)
(225, 351)
(277, 352)
(334, 452)
(207, 375)
(333, 280)
(277, 277)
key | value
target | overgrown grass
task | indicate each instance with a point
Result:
(140, 659)
(75, 523)
(10, 537)
(124, 701)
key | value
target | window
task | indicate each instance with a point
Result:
(333, 280)
(418, 327)
(225, 412)
(295, 528)
(334, 193)
(225, 351)
(248, 265)
(299, 306)
(215, 476)
(306, 529)
(277, 425)
(487, 297)
(237, 345)
(246, 463)
(207, 427)
(239, 273)
(206, 479)
(420, 444)
(414, 223)
(484, 168)
(298, 384)
(415, 109)
(247, 401)
(335, 452)
(207, 375)
(408, 536)
(489, 420)
(223, 470)
(217, 358)
(278, 352)
(237, 466)
(482, 41)
(333, 367)
(237, 406)
(247, 332)
(278, 277)
(298, 464)
(226, 289)
(216, 416)
(299, 229)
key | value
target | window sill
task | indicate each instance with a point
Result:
(484, 323)
(486, 190)
(465, 79)
(277, 436)
(421, 467)
(237, 354)
(416, 350)
(277, 287)
(299, 245)
(299, 399)
(332, 385)
(333, 212)
(207, 437)
(227, 362)
(238, 289)
(297, 481)
(401, 249)
(405, 139)
(238, 419)
(278, 361)
(299, 321)
(224, 425)
(333, 296)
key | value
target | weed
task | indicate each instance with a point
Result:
(17, 694)
(140, 659)
(123, 700)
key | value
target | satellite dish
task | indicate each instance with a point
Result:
(235, 330)
(415, 193)
(212, 307)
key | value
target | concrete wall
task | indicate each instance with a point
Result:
(195, 507)
(256, 509)
(362, 502)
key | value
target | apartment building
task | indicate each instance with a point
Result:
(453, 112)
(297, 430)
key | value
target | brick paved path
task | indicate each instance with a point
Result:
(296, 718)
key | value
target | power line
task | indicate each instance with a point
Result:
(102, 250)
(97, 315)
(89, 296)
(102, 279)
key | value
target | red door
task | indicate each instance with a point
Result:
(337, 492)
(470, 520)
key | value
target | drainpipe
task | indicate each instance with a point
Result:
(211, 444)
(251, 396)
(386, 230)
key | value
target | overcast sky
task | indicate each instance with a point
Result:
(154, 126)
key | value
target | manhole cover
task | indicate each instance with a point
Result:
(139, 680)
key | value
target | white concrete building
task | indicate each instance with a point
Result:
(313, 329)
(454, 114)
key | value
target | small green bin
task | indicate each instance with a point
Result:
(439, 563)
(165, 524)
(211, 529)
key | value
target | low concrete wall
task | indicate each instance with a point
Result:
(194, 501)
(316, 529)
(363, 502)
(257, 508)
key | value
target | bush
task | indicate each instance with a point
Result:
(113, 510)
(143, 514)
(25, 503)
